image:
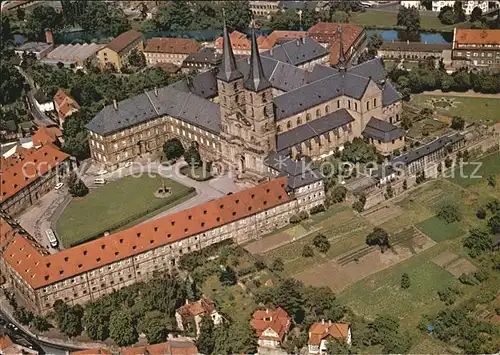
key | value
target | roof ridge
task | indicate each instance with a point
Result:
(151, 102)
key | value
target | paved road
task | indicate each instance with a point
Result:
(39, 117)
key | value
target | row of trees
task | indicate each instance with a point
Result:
(427, 77)
(94, 17)
(180, 15)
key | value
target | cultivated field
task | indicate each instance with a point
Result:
(117, 202)
(470, 108)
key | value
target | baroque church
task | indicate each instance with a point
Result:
(250, 113)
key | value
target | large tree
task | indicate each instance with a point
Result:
(40, 19)
(155, 326)
(478, 241)
(378, 237)
(459, 12)
(96, 321)
(77, 187)
(449, 212)
(68, 318)
(238, 14)
(177, 16)
(173, 149)
(409, 17)
(206, 339)
(122, 328)
(101, 17)
(476, 14)
(11, 86)
(446, 15)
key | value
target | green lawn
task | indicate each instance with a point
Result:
(114, 204)
(386, 19)
(382, 293)
(465, 176)
(438, 230)
(470, 108)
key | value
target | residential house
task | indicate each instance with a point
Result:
(195, 311)
(65, 106)
(43, 102)
(44, 135)
(205, 59)
(171, 347)
(117, 51)
(323, 332)
(467, 5)
(330, 34)
(476, 49)
(169, 50)
(271, 326)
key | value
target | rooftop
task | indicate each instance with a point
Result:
(123, 41)
(297, 51)
(172, 45)
(321, 330)
(465, 36)
(45, 135)
(414, 46)
(202, 306)
(34, 47)
(275, 319)
(74, 52)
(40, 271)
(27, 167)
(382, 130)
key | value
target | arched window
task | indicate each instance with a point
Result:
(299, 121)
(251, 98)
(318, 113)
(235, 86)
(308, 117)
(327, 109)
(264, 97)
(237, 98)
(278, 128)
(289, 124)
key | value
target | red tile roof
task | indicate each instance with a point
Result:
(28, 167)
(276, 319)
(280, 36)
(65, 104)
(239, 41)
(327, 32)
(202, 306)
(321, 330)
(465, 36)
(172, 45)
(45, 135)
(123, 41)
(169, 348)
(5, 342)
(97, 351)
(39, 271)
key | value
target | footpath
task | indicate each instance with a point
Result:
(470, 93)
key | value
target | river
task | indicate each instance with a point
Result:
(428, 37)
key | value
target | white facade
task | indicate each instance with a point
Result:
(468, 6)
(321, 349)
(411, 3)
(46, 106)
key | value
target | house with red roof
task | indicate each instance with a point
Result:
(45, 135)
(8, 347)
(195, 311)
(271, 326)
(65, 106)
(322, 332)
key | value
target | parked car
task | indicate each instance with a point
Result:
(127, 164)
(59, 185)
(102, 172)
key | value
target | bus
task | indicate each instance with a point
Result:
(51, 237)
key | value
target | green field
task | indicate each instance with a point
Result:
(438, 230)
(387, 19)
(470, 108)
(489, 166)
(382, 291)
(116, 203)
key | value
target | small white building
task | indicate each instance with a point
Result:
(411, 3)
(43, 102)
(194, 311)
(467, 5)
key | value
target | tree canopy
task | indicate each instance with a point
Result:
(40, 19)
(409, 17)
(378, 237)
(122, 328)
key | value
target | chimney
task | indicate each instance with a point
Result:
(322, 322)
(156, 91)
(303, 39)
(115, 104)
(298, 42)
(187, 301)
(329, 323)
(407, 41)
(48, 36)
(271, 52)
(267, 311)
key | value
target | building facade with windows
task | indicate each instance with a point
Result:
(91, 270)
(116, 52)
(467, 5)
(476, 49)
(169, 50)
(278, 102)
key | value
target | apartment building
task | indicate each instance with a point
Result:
(98, 267)
(476, 49)
(29, 174)
(413, 50)
(169, 50)
(117, 51)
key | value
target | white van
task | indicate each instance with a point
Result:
(99, 181)
(51, 237)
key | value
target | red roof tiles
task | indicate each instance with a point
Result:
(168, 348)
(65, 105)
(123, 41)
(28, 167)
(465, 36)
(45, 135)
(172, 45)
(200, 307)
(39, 271)
(321, 330)
(276, 319)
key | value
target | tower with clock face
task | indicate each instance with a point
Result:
(248, 132)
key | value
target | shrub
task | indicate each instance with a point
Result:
(173, 149)
(448, 295)
(481, 213)
(307, 251)
(23, 315)
(317, 209)
(278, 265)
(449, 212)
(321, 243)
(303, 215)
(295, 219)
(405, 281)
(378, 237)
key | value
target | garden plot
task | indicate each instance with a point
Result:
(445, 258)
(356, 265)
(461, 266)
(383, 214)
(276, 240)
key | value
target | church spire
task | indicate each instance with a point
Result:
(228, 70)
(342, 61)
(256, 80)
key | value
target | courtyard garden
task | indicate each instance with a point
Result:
(116, 205)
(472, 109)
